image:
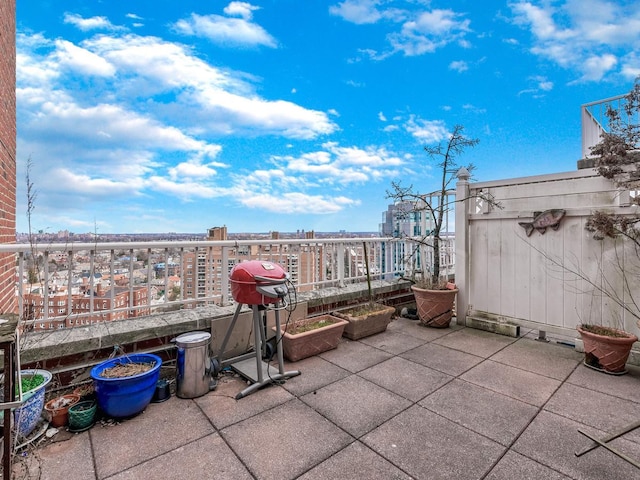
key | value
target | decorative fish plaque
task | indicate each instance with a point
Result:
(543, 220)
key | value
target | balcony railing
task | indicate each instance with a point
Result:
(595, 121)
(76, 284)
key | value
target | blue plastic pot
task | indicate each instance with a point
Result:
(126, 396)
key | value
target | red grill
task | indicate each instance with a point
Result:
(254, 282)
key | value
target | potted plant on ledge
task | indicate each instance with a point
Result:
(311, 336)
(434, 292)
(367, 319)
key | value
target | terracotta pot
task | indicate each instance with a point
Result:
(85, 392)
(58, 408)
(307, 344)
(607, 353)
(435, 307)
(366, 324)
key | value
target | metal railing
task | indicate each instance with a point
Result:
(595, 122)
(74, 284)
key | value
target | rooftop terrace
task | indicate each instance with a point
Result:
(411, 402)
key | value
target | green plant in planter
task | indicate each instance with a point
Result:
(29, 382)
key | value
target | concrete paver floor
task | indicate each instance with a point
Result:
(407, 403)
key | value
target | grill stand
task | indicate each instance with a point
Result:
(250, 365)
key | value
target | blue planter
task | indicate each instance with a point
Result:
(26, 416)
(126, 396)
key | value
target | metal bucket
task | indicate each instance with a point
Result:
(193, 370)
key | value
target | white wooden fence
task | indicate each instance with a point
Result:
(552, 281)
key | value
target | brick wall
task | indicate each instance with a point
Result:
(7, 151)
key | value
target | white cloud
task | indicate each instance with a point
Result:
(421, 31)
(437, 22)
(545, 85)
(82, 60)
(296, 202)
(630, 65)
(216, 99)
(427, 131)
(472, 108)
(76, 184)
(130, 138)
(194, 169)
(429, 31)
(241, 9)
(596, 66)
(225, 30)
(185, 190)
(357, 11)
(381, 117)
(587, 36)
(104, 125)
(85, 24)
(459, 66)
(341, 165)
(541, 84)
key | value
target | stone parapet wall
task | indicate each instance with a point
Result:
(69, 353)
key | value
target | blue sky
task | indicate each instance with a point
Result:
(156, 116)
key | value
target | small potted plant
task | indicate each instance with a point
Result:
(27, 415)
(58, 409)
(434, 293)
(82, 415)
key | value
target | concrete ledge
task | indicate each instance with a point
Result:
(493, 326)
(83, 346)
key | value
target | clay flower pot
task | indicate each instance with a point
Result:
(606, 349)
(86, 392)
(322, 333)
(435, 307)
(365, 320)
(58, 408)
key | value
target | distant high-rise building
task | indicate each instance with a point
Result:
(202, 270)
(217, 233)
(8, 302)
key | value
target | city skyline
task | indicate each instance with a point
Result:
(284, 115)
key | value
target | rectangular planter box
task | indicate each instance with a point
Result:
(361, 326)
(307, 344)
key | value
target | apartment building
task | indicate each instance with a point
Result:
(103, 305)
(203, 270)
(8, 302)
